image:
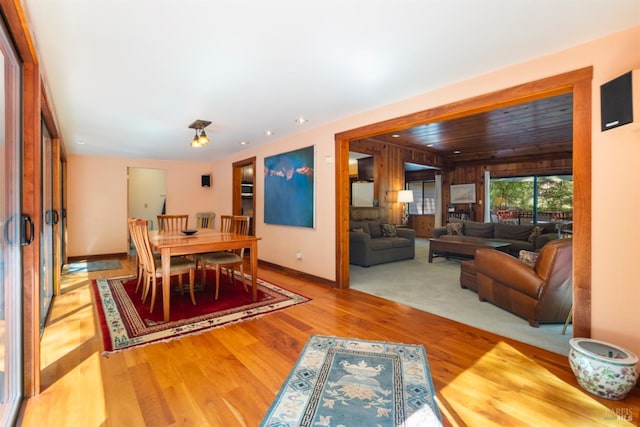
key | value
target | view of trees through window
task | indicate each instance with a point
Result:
(532, 198)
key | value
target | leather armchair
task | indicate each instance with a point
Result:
(542, 294)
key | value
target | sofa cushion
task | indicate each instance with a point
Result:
(478, 229)
(454, 228)
(362, 226)
(512, 232)
(381, 244)
(374, 229)
(389, 230)
(399, 242)
(537, 230)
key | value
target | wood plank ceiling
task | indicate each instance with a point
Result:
(536, 130)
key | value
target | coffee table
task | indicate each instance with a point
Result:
(461, 245)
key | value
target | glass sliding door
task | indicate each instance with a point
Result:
(11, 223)
(532, 199)
(49, 221)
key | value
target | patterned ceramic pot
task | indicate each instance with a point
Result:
(603, 369)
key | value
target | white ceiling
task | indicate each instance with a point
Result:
(126, 78)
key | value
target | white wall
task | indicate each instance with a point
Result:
(97, 199)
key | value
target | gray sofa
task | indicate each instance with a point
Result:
(372, 240)
(521, 237)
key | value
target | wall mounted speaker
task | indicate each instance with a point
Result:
(617, 99)
(206, 180)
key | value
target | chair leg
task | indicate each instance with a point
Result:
(180, 284)
(140, 274)
(203, 276)
(153, 293)
(192, 277)
(145, 289)
(217, 280)
(244, 279)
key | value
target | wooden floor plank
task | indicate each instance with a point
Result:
(230, 376)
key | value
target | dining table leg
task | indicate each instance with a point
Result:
(166, 281)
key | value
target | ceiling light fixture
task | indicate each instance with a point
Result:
(300, 120)
(200, 139)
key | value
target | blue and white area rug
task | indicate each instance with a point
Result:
(350, 382)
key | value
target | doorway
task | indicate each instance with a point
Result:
(146, 194)
(244, 195)
(576, 82)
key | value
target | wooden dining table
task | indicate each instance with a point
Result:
(173, 243)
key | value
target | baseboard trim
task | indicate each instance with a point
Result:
(297, 274)
(119, 255)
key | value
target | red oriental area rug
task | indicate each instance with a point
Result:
(125, 321)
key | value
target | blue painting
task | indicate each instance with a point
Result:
(289, 197)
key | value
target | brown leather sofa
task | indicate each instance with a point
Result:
(542, 294)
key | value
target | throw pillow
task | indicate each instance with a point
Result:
(374, 229)
(389, 230)
(529, 257)
(454, 228)
(535, 233)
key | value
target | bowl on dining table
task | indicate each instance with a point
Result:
(189, 232)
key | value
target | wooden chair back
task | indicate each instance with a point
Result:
(241, 224)
(205, 219)
(173, 222)
(140, 235)
(226, 223)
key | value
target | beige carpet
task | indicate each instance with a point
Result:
(435, 288)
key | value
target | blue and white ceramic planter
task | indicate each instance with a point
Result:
(603, 369)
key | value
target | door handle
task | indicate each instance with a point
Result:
(51, 217)
(26, 237)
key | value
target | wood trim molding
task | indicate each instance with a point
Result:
(579, 83)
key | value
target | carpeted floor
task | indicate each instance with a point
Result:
(435, 288)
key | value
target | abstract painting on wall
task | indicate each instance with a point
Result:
(289, 188)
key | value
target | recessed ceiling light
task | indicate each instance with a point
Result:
(268, 132)
(457, 152)
(244, 142)
(81, 142)
(395, 135)
(429, 145)
(300, 120)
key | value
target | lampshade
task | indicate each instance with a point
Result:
(405, 196)
(203, 140)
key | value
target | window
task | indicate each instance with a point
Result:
(532, 199)
(424, 197)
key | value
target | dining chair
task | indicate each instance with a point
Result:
(153, 269)
(130, 223)
(228, 260)
(139, 259)
(205, 219)
(173, 222)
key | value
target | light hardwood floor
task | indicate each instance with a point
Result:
(230, 376)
